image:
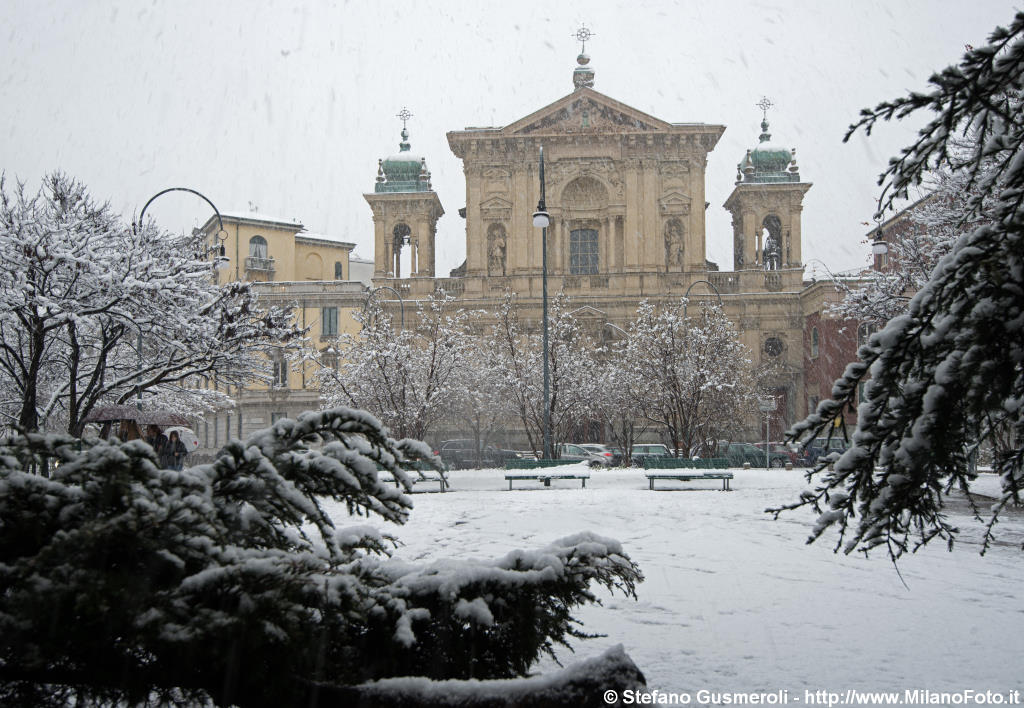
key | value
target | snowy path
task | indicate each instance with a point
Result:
(736, 601)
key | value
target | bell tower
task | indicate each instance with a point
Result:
(766, 204)
(405, 213)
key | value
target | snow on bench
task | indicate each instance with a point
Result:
(546, 477)
(682, 477)
(417, 476)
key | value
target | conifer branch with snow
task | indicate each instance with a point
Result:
(228, 582)
(948, 375)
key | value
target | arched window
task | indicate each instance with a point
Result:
(814, 343)
(583, 251)
(257, 247)
(401, 236)
(772, 243)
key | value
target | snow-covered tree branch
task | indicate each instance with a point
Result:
(95, 311)
(944, 377)
(122, 583)
(409, 378)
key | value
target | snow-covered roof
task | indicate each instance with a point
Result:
(255, 216)
(323, 239)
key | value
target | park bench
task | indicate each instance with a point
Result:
(417, 477)
(690, 477)
(673, 463)
(546, 477)
(421, 471)
(528, 464)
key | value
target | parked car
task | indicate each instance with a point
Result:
(819, 447)
(741, 453)
(641, 452)
(571, 452)
(792, 456)
(463, 454)
(607, 457)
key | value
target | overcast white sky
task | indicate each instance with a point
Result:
(289, 105)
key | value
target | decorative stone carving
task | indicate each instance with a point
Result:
(563, 170)
(584, 193)
(773, 346)
(674, 245)
(496, 250)
(675, 170)
(674, 203)
(600, 118)
(496, 208)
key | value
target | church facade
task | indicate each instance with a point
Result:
(626, 195)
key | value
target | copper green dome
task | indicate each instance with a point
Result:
(768, 162)
(403, 172)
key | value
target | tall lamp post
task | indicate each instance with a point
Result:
(221, 261)
(541, 220)
(879, 246)
(373, 291)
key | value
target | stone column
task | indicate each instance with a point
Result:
(604, 252)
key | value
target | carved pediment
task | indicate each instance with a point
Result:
(675, 203)
(496, 173)
(588, 312)
(586, 111)
(495, 203)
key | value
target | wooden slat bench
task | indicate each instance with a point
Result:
(418, 476)
(526, 464)
(724, 476)
(546, 477)
(673, 463)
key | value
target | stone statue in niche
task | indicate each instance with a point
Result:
(674, 245)
(496, 250)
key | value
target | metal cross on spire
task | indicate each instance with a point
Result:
(583, 35)
(404, 115)
(764, 104)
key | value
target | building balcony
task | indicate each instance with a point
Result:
(261, 265)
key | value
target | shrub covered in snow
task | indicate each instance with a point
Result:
(120, 581)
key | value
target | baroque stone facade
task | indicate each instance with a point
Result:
(626, 195)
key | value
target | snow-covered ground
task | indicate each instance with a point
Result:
(736, 601)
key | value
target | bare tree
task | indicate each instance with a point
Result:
(697, 373)
(571, 362)
(409, 378)
(94, 311)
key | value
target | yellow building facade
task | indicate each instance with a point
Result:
(290, 267)
(625, 191)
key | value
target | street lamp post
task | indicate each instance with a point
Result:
(221, 261)
(879, 246)
(686, 295)
(542, 219)
(401, 302)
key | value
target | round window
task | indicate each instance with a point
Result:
(773, 346)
